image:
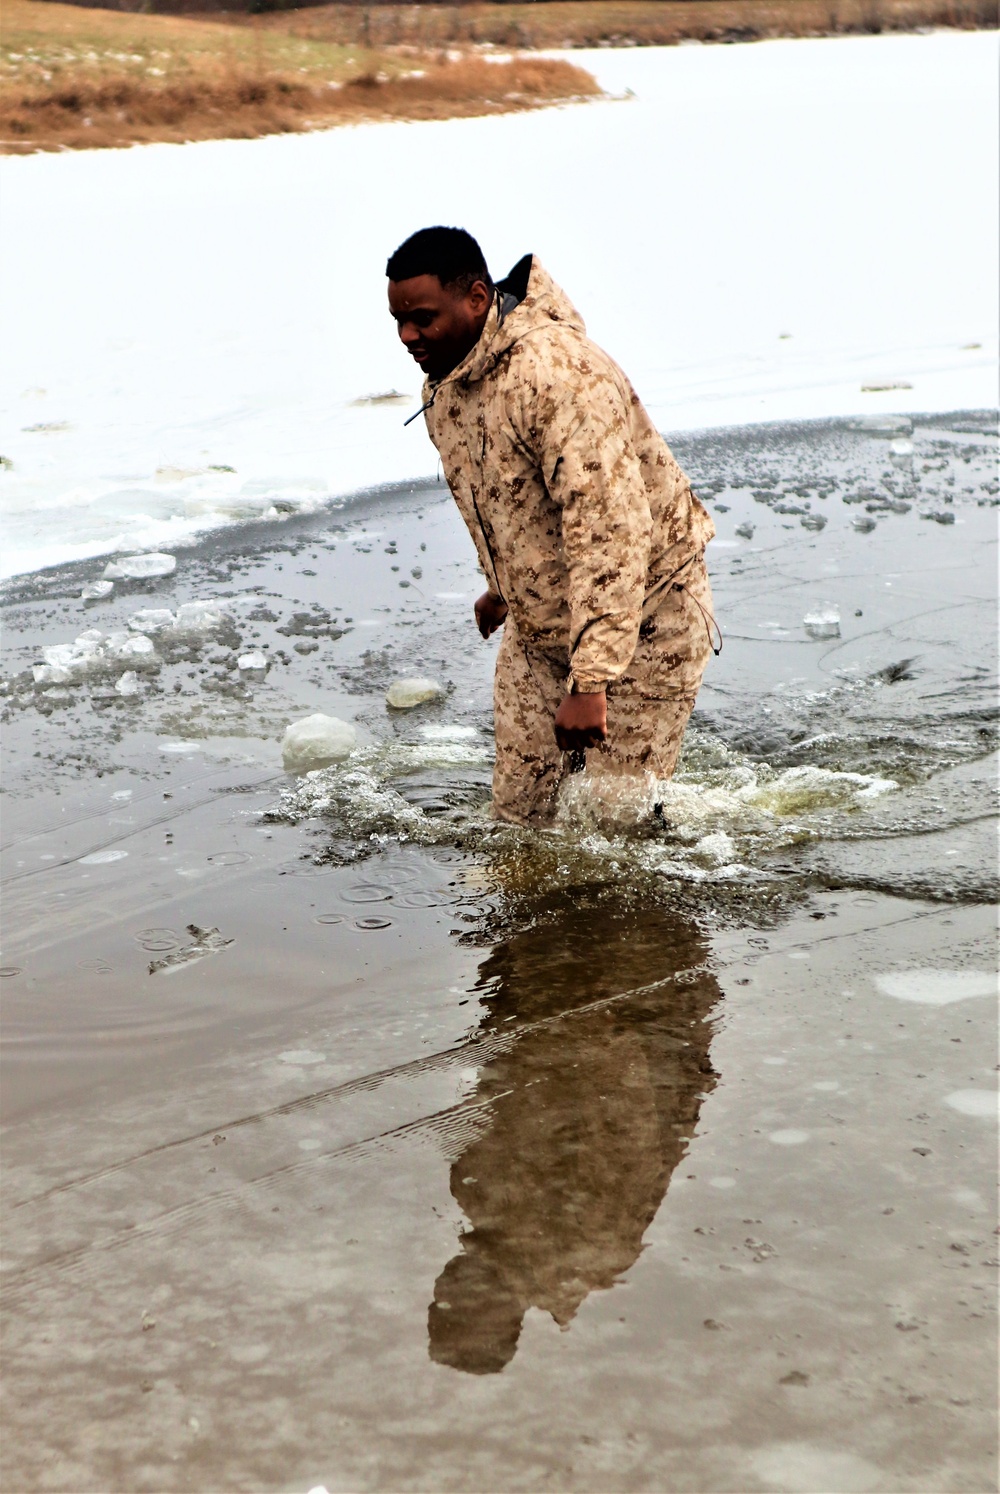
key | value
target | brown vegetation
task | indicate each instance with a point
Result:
(75, 78)
(597, 23)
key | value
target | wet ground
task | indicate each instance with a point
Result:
(351, 1139)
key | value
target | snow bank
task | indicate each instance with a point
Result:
(757, 234)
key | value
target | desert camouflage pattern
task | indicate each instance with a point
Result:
(648, 710)
(583, 522)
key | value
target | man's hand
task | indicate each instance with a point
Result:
(582, 721)
(491, 612)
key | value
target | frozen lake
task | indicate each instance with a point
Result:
(754, 232)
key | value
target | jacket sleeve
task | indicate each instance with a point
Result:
(573, 415)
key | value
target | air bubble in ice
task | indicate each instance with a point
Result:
(96, 591)
(824, 624)
(315, 741)
(936, 987)
(403, 695)
(151, 620)
(138, 567)
(981, 1103)
(128, 684)
(252, 666)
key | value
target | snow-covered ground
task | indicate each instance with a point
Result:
(754, 232)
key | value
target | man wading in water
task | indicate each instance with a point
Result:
(588, 533)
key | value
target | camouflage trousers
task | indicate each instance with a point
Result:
(648, 706)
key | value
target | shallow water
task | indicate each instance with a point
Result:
(353, 1138)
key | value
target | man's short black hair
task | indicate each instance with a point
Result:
(449, 253)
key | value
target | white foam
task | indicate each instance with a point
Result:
(936, 987)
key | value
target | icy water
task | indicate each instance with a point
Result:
(351, 1138)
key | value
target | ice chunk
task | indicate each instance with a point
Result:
(824, 624)
(200, 617)
(901, 453)
(815, 522)
(51, 674)
(71, 661)
(863, 524)
(940, 516)
(745, 531)
(138, 567)
(315, 741)
(252, 666)
(403, 695)
(128, 684)
(151, 620)
(136, 648)
(96, 591)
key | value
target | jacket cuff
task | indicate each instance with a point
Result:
(585, 684)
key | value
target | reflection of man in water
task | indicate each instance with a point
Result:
(587, 531)
(591, 1113)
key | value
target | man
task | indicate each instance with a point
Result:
(588, 533)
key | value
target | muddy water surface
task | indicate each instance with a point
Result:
(352, 1139)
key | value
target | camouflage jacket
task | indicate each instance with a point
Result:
(579, 512)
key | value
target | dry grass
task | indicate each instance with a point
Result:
(76, 78)
(595, 23)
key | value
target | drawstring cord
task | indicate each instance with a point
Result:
(421, 410)
(707, 618)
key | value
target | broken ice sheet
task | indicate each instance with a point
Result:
(137, 567)
(203, 942)
(824, 623)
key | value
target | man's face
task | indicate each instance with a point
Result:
(438, 324)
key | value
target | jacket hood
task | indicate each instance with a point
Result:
(527, 302)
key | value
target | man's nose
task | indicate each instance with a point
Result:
(408, 333)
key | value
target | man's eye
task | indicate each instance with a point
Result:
(423, 318)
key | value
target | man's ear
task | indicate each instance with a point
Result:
(480, 297)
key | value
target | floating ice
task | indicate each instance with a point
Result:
(864, 524)
(96, 591)
(301, 1056)
(315, 741)
(814, 522)
(824, 624)
(982, 1103)
(137, 648)
(128, 684)
(901, 453)
(151, 620)
(433, 733)
(745, 531)
(937, 987)
(252, 666)
(179, 749)
(403, 695)
(200, 617)
(138, 567)
(102, 858)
